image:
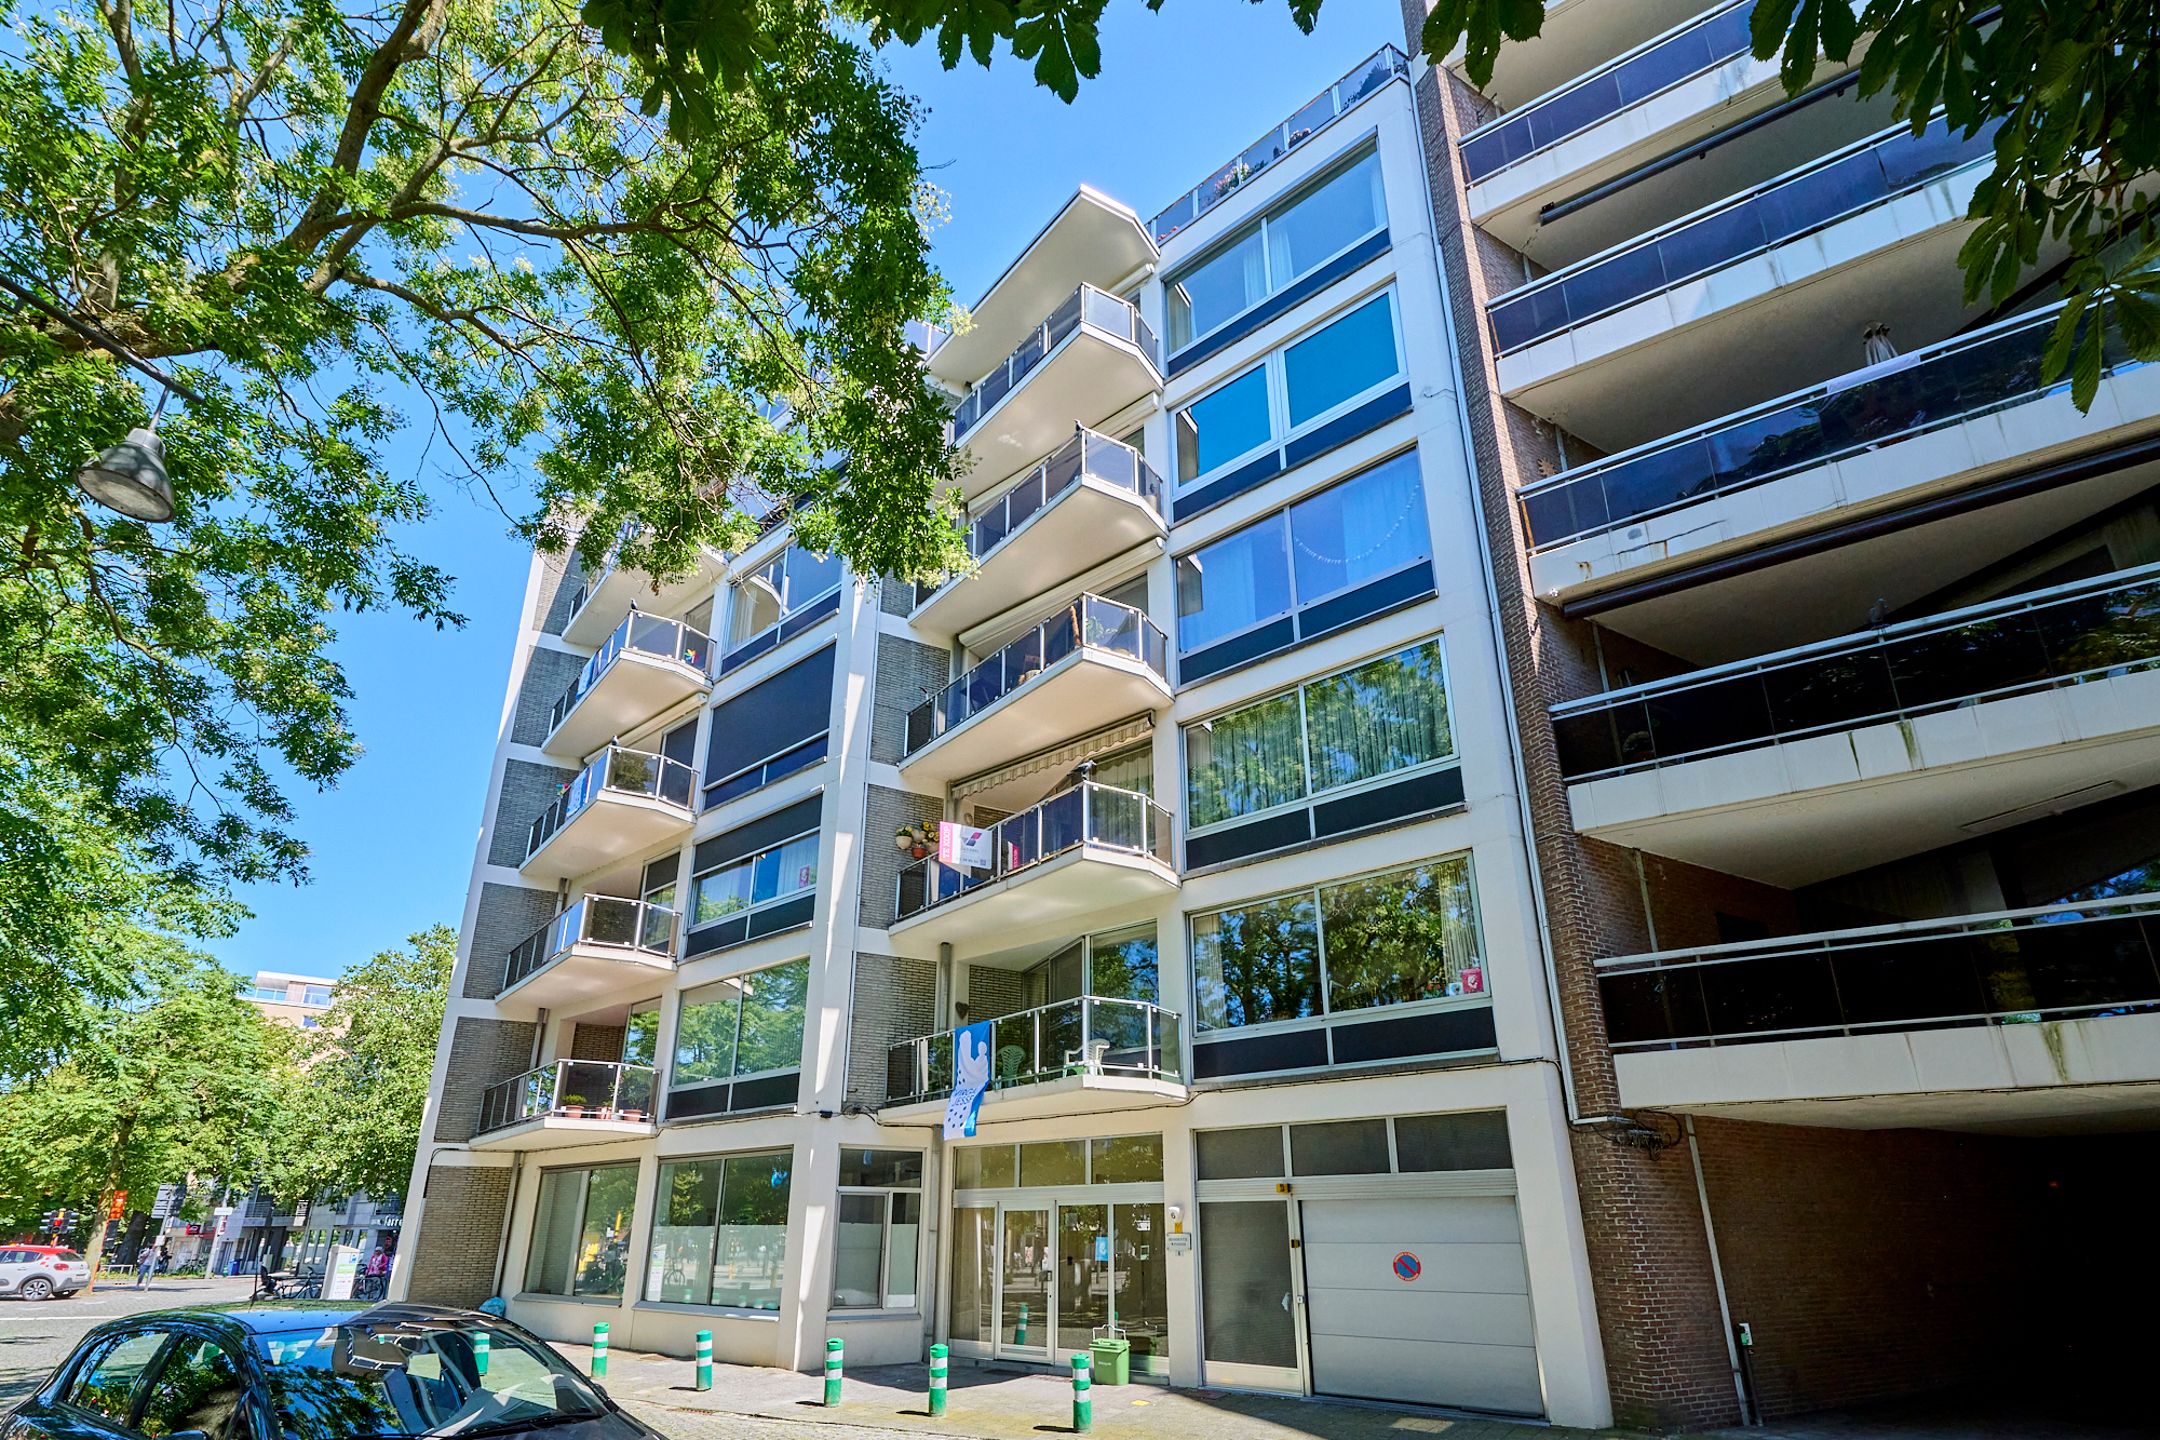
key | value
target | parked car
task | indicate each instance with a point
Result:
(40, 1272)
(300, 1372)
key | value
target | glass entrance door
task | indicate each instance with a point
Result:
(1140, 1300)
(1083, 1274)
(1026, 1281)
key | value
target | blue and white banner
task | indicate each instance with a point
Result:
(971, 1076)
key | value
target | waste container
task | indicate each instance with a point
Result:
(1110, 1357)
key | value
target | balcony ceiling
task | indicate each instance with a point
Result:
(585, 977)
(1081, 890)
(1093, 1094)
(1091, 240)
(634, 689)
(613, 827)
(1085, 691)
(559, 1132)
(1087, 379)
(1090, 525)
(622, 589)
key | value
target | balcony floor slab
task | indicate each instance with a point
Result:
(613, 826)
(583, 977)
(1086, 380)
(1065, 895)
(1059, 1095)
(1089, 525)
(634, 689)
(1085, 691)
(559, 1132)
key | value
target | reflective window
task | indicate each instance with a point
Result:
(390, 1379)
(1234, 583)
(1346, 358)
(106, 1385)
(197, 1388)
(581, 1231)
(777, 589)
(786, 869)
(1224, 424)
(1114, 1160)
(877, 1246)
(749, 1025)
(720, 1236)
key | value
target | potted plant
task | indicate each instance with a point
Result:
(1233, 177)
(573, 1106)
(917, 840)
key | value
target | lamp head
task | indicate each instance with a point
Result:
(130, 477)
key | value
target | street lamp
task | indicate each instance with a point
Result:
(130, 477)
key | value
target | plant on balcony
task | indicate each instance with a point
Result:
(917, 840)
(573, 1105)
(1233, 177)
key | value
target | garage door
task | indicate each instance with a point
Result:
(1420, 1300)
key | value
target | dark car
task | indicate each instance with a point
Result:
(292, 1372)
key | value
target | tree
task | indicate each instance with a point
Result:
(183, 1082)
(354, 1122)
(312, 220)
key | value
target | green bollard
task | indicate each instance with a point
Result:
(938, 1375)
(1020, 1335)
(833, 1353)
(480, 1352)
(704, 1359)
(599, 1351)
(1083, 1401)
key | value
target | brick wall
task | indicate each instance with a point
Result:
(992, 992)
(884, 812)
(896, 597)
(547, 675)
(527, 789)
(451, 1258)
(506, 916)
(596, 1042)
(560, 576)
(482, 1052)
(907, 670)
(895, 1000)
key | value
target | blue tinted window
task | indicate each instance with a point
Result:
(1350, 356)
(1370, 525)
(1223, 425)
(1234, 583)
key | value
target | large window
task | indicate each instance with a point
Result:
(1298, 237)
(878, 1244)
(581, 1231)
(1351, 358)
(1380, 718)
(1370, 526)
(1112, 1160)
(770, 731)
(720, 1232)
(749, 1025)
(772, 874)
(777, 589)
(1399, 938)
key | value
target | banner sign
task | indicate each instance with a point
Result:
(971, 1076)
(963, 845)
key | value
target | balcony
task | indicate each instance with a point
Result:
(1091, 358)
(1577, 38)
(1863, 234)
(1084, 850)
(2015, 1014)
(624, 803)
(1091, 664)
(1331, 104)
(566, 1102)
(1121, 1054)
(1087, 504)
(645, 665)
(587, 954)
(1833, 757)
(612, 591)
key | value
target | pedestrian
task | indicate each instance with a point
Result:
(146, 1261)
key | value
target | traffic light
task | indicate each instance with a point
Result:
(60, 1221)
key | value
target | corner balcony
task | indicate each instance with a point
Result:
(1944, 417)
(587, 955)
(1579, 37)
(1089, 503)
(2011, 1016)
(1829, 758)
(566, 1102)
(613, 591)
(1091, 357)
(1775, 282)
(1084, 850)
(624, 803)
(645, 665)
(1090, 665)
(1112, 1054)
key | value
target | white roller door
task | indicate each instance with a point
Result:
(1424, 1300)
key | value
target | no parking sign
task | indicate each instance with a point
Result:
(1408, 1267)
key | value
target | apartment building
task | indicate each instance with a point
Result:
(1274, 1088)
(1829, 634)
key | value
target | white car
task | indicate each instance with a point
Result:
(39, 1272)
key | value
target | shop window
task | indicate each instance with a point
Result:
(581, 1231)
(877, 1244)
(720, 1233)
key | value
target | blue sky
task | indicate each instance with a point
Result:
(1182, 91)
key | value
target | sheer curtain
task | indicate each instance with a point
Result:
(1246, 761)
(1234, 583)
(1370, 525)
(1388, 714)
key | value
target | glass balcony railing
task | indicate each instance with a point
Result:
(1087, 306)
(1656, 64)
(2059, 636)
(1826, 190)
(638, 634)
(1944, 384)
(571, 1090)
(2082, 959)
(1089, 623)
(595, 920)
(618, 772)
(1323, 109)
(1086, 456)
(1088, 1035)
(1089, 813)
(599, 574)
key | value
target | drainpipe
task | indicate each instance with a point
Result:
(1717, 1275)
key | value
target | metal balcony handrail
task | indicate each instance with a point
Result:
(1084, 1035)
(640, 634)
(1945, 383)
(618, 770)
(1087, 305)
(606, 920)
(1618, 276)
(1829, 684)
(1085, 813)
(598, 576)
(572, 1089)
(1697, 44)
(1331, 104)
(1089, 455)
(1088, 623)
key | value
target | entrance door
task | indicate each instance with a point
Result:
(1083, 1274)
(1139, 1294)
(1420, 1299)
(1026, 1281)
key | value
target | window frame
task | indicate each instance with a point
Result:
(719, 1159)
(1280, 431)
(690, 920)
(1327, 1014)
(736, 1074)
(240, 1423)
(790, 606)
(86, 1364)
(1311, 794)
(886, 1194)
(1281, 515)
(569, 1278)
(1368, 148)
